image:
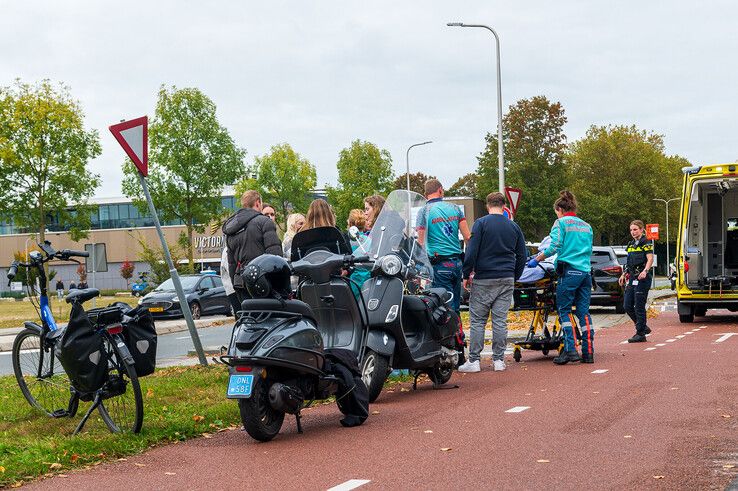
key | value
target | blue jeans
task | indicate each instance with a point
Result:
(447, 275)
(575, 288)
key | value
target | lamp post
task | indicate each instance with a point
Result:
(667, 228)
(500, 150)
(407, 160)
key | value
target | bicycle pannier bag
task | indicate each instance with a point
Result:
(140, 337)
(82, 352)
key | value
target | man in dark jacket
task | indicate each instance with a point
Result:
(496, 254)
(249, 234)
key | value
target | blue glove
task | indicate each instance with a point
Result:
(532, 263)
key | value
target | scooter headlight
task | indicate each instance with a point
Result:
(391, 265)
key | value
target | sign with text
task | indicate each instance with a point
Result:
(652, 231)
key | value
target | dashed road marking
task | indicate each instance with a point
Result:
(517, 409)
(649, 349)
(670, 340)
(661, 344)
(624, 342)
(601, 370)
(687, 333)
(679, 336)
(702, 327)
(725, 336)
(350, 484)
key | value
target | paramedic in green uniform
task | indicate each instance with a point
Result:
(637, 279)
(439, 223)
(571, 241)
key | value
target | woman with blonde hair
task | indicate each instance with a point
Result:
(319, 214)
(295, 222)
(372, 206)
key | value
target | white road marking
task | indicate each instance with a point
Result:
(661, 344)
(702, 327)
(670, 340)
(624, 342)
(30, 350)
(695, 330)
(517, 409)
(649, 349)
(350, 484)
(601, 370)
(724, 336)
(679, 336)
(687, 333)
(183, 337)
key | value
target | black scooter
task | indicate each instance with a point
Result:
(415, 331)
(282, 358)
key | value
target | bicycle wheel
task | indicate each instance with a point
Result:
(40, 376)
(123, 410)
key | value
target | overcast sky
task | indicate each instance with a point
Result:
(318, 75)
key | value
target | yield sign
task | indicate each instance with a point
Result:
(513, 197)
(133, 136)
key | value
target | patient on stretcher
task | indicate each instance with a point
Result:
(544, 270)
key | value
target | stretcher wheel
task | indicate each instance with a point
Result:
(517, 355)
(544, 351)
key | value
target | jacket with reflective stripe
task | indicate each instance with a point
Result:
(571, 240)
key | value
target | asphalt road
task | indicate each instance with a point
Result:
(656, 415)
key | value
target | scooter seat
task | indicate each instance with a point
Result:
(274, 305)
(82, 295)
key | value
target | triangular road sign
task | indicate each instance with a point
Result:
(133, 136)
(513, 197)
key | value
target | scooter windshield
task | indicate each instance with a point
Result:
(395, 232)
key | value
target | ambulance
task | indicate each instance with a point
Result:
(707, 243)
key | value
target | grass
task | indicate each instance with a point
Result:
(179, 403)
(14, 313)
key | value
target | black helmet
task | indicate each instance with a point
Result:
(267, 276)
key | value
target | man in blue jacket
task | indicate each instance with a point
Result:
(496, 254)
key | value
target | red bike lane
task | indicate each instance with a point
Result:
(656, 415)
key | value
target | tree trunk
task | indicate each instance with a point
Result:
(190, 248)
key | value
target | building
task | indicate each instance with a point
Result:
(116, 229)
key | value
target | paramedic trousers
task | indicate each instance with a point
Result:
(634, 301)
(447, 275)
(495, 296)
(575, 288)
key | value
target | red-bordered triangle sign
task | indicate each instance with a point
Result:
(133, 136)
(513, 197)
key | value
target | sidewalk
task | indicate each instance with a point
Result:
(162, 327)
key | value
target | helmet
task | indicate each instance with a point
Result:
(267, 276)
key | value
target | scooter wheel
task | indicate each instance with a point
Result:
(544, 351)
(517, 355)
(374, 371)
(261, 421)
(440, 376)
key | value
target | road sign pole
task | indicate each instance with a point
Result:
(175, 277)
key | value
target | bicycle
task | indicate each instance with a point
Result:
(37, 363)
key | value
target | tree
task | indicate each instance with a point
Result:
(615, 172)
(284, 179)
(535, 146)
(82, 273)
(417, 182)
(155, 258)
(363, 170)
(44, 153)
(126, 271)
(465, 186)
(192, 157)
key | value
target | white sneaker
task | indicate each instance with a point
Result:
(499, 365)
(470, 367)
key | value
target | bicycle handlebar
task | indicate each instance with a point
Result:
(67, 253)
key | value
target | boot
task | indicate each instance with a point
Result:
(647, 331)
(587, 358)
(567, 356)
(637, 338)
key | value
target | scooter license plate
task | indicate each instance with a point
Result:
(240, 386)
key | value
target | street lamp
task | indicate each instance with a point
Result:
(407, 160)
(667, 228)
(500, 150)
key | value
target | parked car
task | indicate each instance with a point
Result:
(205, 295)
(606, 269)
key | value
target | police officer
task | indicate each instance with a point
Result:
(571, 241)
(637, 279)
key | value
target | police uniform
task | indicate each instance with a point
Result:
(636, 291)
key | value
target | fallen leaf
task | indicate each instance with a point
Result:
(428, 431)
(528, 394)
(74, 457)
(728, 466)
(403, 389)
(543, 461)
(17, 484)
(446, 449)
(596, 392)
(658, 477)
(55, 465)
(122, 460)
(375, 412)
(2, 470)
(197, 418)
(170, 473)
(207, 435)
(725, 415)
(139, 464)
(674, 388)
(63, 476)
(628, 436)
(150, 392)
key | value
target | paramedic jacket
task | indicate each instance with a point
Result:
(496, 249)
(571, 239)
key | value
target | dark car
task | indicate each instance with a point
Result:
(204, 293)
(606, 269)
